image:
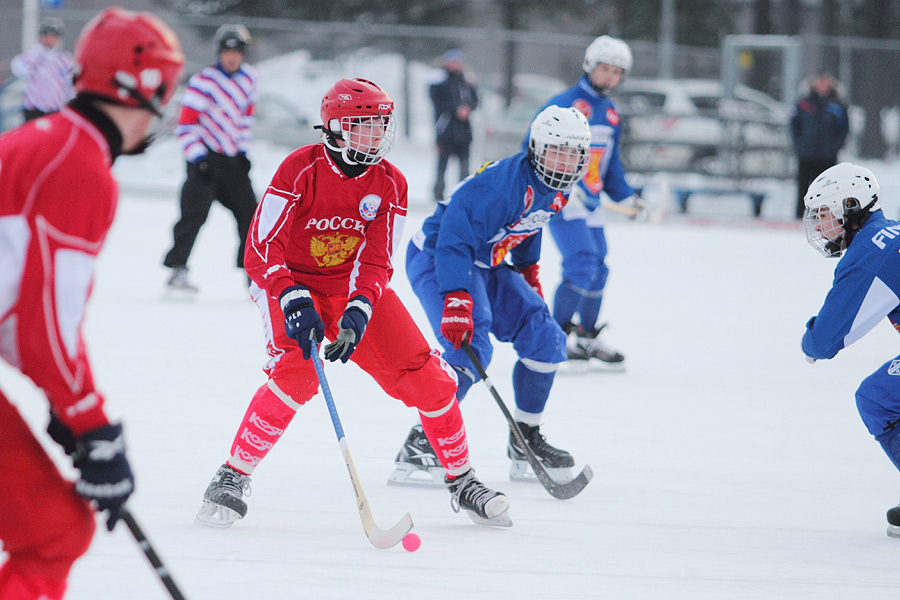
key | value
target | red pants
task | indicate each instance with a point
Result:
(44, 524)
(393, 351)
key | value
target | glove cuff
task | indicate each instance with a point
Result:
(362, 304)
(297, 293)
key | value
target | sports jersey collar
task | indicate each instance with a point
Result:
(340, 167)
(82, 111)
(585, 85)
(240, 70)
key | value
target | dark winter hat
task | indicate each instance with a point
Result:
(232, 37)
(50, 26)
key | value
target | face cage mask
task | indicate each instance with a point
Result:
(565, 155)
(366, 139)
(830, 241)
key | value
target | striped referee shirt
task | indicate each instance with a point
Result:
(217, 112)
(48, 77)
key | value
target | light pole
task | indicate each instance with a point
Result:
(29, 23)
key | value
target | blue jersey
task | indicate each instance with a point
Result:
(866, 289)
(605, 172)
(497, 211)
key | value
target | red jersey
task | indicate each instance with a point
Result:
(57, 202)
(319, 228)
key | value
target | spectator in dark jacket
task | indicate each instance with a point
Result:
(819, 127)
(454, 99)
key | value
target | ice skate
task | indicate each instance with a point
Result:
(588, 351)
(558, 463)
(609, 358)
(483, 505)
(223, 502)
(893, 519)
(179, 287)
(416, 463)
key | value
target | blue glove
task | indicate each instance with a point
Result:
(106, 477)
(352, 326)
(61, 434)
(301, 321)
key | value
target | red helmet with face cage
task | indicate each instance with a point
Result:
(350, 103)
(128, 58)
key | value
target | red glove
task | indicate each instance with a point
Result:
(530, 273)
(456, 322)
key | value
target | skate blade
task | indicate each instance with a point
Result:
(213, 515)
(406, 474)
(893, 531)
(600, 366)
(574, 366)
(180, 294)
(501, 520)
(520, 470)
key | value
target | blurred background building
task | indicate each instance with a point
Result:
(522, 51)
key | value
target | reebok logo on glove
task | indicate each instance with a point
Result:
(106, 450)
(456, 321)
(454, 302)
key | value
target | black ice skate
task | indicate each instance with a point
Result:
(558, 462)
(179, 287)
(893, 519)
(416, 463)
(483, 505)
(223, 502)
(584, 345)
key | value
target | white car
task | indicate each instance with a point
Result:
(687, 125)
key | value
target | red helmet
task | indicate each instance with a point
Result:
(129, 58)
(360, 114)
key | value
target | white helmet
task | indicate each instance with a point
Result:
(608, 51)
(558, 146)
(838, 203)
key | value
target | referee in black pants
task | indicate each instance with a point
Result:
(217, 110)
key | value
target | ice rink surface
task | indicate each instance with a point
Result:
(725, 465)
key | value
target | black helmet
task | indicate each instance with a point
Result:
(232, 37)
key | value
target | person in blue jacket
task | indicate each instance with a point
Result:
(844, 219)
(578, 229)
(474, 267)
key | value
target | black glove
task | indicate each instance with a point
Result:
(352, 326)
(202, 165)
(106, 477)
(243, 162)
(301, 319)
(61, 434)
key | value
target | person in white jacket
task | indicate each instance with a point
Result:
(47, 70)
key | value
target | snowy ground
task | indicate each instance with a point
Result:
(725, 465)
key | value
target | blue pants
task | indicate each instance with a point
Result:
(584, 271)
(503, 305)
(878, 402)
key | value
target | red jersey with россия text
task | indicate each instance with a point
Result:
(331, 233)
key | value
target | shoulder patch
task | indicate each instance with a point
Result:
(584, 107)
(368, 206)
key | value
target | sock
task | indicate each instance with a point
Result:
(447, 433)
(589, 311)
(565, 303)
(531, 388)
(264, 422)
